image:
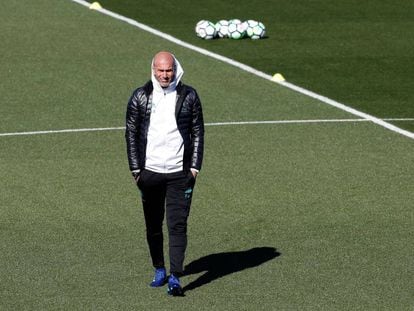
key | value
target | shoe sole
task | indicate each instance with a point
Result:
(152, 284)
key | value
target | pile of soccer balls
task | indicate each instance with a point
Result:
(234, 29)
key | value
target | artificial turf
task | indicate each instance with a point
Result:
(314, 216)
(358, 53)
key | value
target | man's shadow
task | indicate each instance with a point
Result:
(222, 264)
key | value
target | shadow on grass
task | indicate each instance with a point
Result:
(222, 264)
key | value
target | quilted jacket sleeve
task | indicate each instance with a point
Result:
(132, 132)
(197, 133)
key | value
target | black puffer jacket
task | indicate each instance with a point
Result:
(188, 114)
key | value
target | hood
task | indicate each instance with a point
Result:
(177, 77)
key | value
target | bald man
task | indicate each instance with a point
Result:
(165, 139)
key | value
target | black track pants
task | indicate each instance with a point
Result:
(168, 194)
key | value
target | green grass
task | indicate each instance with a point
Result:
(358, 53)
(309, 216)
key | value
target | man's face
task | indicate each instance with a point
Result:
(164, 71)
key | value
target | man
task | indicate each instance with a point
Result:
(165, 140)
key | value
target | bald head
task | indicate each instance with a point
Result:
(164, 68)
(163, 57)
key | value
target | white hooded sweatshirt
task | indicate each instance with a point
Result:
(165, 146)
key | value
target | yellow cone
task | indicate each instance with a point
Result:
(95, 6)
(278, 77)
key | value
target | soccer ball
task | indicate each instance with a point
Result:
(205, 30)
(198, 26)
(235, 21)
(222, 28)
(255, 30)
(237, 29)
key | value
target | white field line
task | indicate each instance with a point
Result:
(206, 124)
(253, 71)
(62, 131)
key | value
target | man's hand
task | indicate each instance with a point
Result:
(194, 172)
(135, 176)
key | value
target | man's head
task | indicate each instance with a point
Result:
(163, 67)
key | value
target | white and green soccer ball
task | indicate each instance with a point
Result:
(255, 30)
(197, 27)
(222, 28)
(237, 29)
(205, 30)
(234, 21)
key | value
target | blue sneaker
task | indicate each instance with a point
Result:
(174, 287)
(160, 277)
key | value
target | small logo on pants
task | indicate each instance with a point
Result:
(187, 193)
